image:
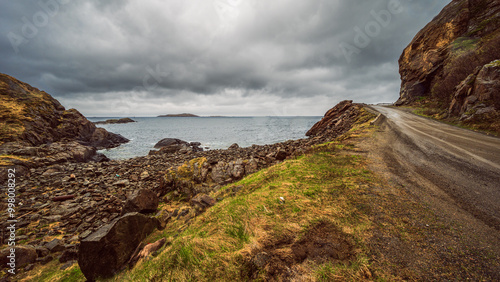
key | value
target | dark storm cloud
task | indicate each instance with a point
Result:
(152, 57)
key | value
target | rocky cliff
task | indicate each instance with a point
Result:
(452, 64)
(337, 120)
(33, 124)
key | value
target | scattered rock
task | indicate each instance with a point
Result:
(42, 251)
(281, 154)
(143, 201)
(62, 198)
(144, 175)
(44, 260)
(202, 201)
(68, 255)
(55, 246)
(85, 234)
(233, 147)
(100, 189)
(67, 265)
(122, 183)
(147, 251)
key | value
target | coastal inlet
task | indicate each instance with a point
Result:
(211, 132)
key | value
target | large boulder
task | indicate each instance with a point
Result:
(487, 85)
(102, 139)
(169, 142)
(174, 145)
(107, 250)
(481, 87)
(142, 200)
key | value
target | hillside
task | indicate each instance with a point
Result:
(451, 71)
(34, 124)
(179, 115)
(322, 208)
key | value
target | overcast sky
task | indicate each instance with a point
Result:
(210, 57)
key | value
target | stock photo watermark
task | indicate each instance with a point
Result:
(227, 11)
(152, 79)
(11, 221)
(32, 25)
(364, 36)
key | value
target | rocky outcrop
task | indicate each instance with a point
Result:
(337, 120)
(115, 121)
(48, 154)
(107, 250)
(173, 145)
(169, 142)
(450, 62)
(478, 96)
(30, 118)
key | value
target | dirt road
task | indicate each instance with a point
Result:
(453, 169)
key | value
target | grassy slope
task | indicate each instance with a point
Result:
(329, 193)
(326, 185)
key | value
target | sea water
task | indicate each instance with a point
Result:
(211, 132)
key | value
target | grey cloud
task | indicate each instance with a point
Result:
(175, 53)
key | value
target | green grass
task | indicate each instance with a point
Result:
(327, 184)
(52, 272)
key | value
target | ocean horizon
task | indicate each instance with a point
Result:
(213, 132)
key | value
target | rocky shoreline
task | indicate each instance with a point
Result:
(100, 189)
(66, 192)
(37, 131)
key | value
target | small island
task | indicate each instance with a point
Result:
(179, 115)
(115, 121)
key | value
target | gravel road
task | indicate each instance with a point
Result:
(452, 169)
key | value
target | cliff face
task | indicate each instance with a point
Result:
(33, 117)
(33, 124)
(451, 62)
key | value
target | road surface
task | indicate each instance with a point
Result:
(453, 169)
